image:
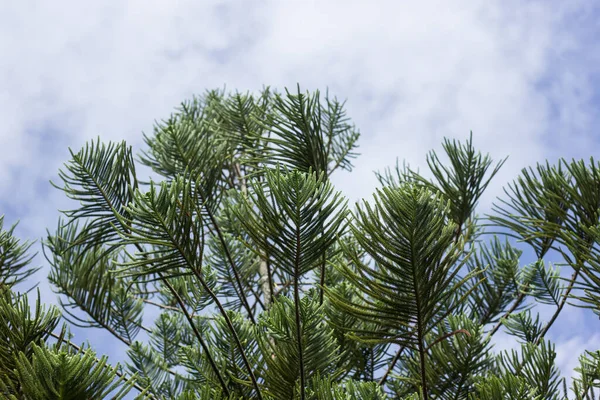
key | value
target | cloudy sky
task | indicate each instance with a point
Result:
(522, 75)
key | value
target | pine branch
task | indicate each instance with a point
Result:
(104, 325)
(233, 333)
(240, 289)
(195, 329)
(196, 333)
(519, 300)
(548, 325)
(117, 372)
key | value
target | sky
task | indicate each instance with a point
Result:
(522, 75)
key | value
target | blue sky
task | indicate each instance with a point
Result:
(522, 75)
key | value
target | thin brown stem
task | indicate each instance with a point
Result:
(446, 336)
(142, 327)
(284, 286)
(560, 306)
(222, 309)
(392, 365)
(271, 285)
(299, 338)
(188, 317)
(422, 361)
(297, 309)
(322, 280)
(515, 305)
(163, 306)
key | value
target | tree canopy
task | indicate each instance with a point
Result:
(244, 274)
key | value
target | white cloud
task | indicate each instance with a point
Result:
(569, 351)
(411, 75)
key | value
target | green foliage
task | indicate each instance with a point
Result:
(491, 297)
(101, 178)
(296, 221)
(589, 375)
(31, 368)
(54, 374)
(464, 181)
(14, 260)
(278, 338)
(408, 287)
(537, 207)
(21, 329)
(308, 136)
(244, 275)
(535, 366)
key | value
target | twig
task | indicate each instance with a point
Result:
(391, 366)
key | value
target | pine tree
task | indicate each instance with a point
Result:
(244, 274)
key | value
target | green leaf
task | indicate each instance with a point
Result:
(589, 375)
(166, 218)
(545, 285)
(536, 365)
(459, 352)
